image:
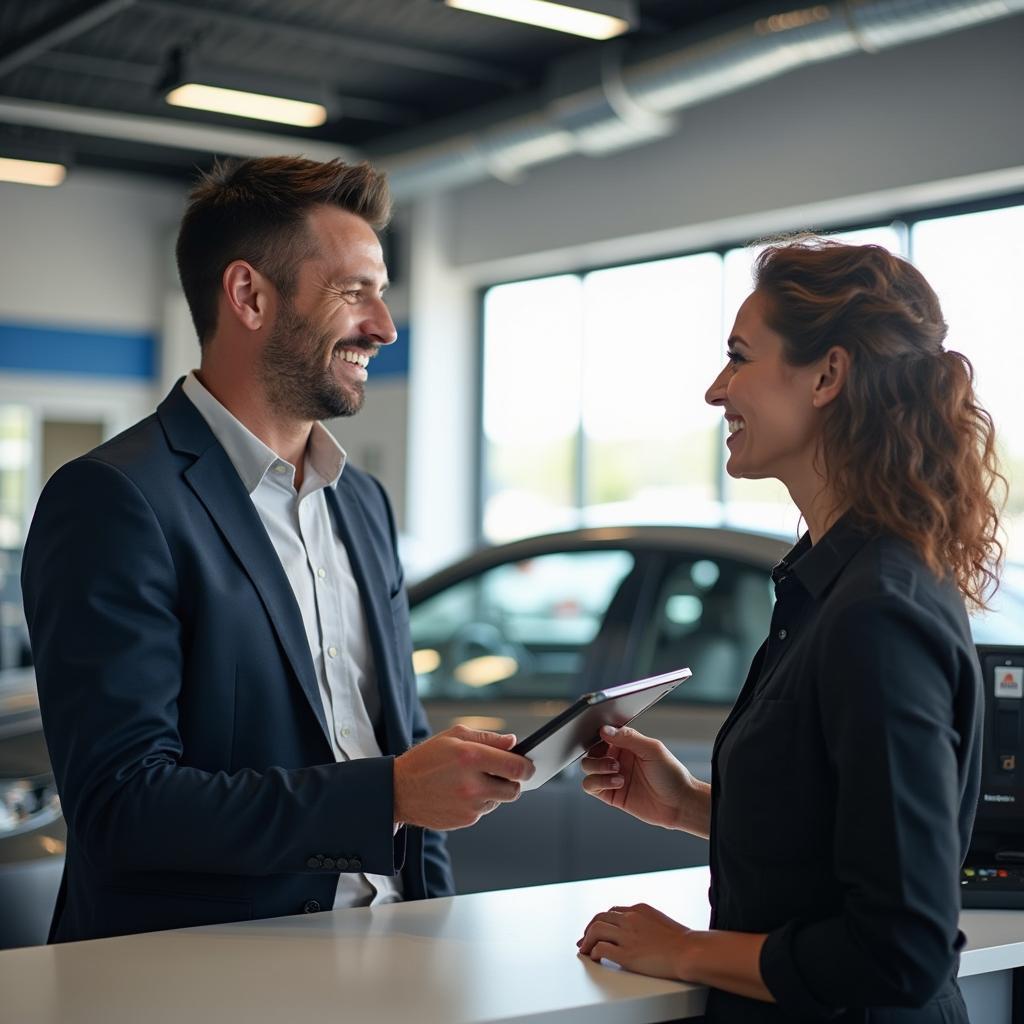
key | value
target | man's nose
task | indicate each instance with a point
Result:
(379, 325)
(715, 395)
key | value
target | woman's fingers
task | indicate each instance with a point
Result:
(599, 765)
(603, 928)
(595, 785)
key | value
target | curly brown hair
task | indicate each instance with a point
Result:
(908, 449)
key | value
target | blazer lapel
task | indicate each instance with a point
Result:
(216, 483)
(374, 591)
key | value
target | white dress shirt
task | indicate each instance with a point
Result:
(301, 528)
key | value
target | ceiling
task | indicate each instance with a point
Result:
(394, 67)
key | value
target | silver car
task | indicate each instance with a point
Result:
(510, 635)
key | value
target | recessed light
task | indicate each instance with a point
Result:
(595, 19)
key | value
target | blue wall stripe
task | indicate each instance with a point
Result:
(29, 347)
(392, 360)
(37, 349)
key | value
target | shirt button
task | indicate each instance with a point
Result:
(346, 732)
(332, 651)
(321, 573)
(782, 634)
(280, 468)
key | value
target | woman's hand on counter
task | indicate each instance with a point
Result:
(639, 775)
(646, 941)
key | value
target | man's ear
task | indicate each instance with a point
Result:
(831, 376)
(247, 294)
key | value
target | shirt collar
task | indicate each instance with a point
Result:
(251, 458)
(816, 566)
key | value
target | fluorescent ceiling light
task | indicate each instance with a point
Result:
(570, 18)
(32, 172)
(248, 104)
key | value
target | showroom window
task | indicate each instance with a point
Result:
(593, 383)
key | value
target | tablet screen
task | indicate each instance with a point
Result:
(572, 732)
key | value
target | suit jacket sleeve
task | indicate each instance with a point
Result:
(101, 595)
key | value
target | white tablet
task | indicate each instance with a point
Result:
(570, 734)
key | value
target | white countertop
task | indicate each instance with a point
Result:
(503, 956)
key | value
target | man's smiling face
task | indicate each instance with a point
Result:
(315, 363)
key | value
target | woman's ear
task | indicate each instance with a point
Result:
(831, 376)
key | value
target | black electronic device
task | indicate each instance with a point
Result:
(993, 874)
(570, 734)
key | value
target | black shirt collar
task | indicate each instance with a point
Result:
(816, 566)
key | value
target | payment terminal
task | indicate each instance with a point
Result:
(993, 875)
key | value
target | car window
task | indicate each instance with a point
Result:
(518, 630)
(711, 614)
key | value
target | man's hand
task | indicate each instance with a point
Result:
(454, 778)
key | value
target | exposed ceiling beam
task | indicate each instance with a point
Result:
(165, 131)
(360, 47)
(57, 30)
(361, 107)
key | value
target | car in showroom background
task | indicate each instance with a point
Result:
(503, 639)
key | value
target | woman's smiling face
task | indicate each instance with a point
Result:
(773, 418)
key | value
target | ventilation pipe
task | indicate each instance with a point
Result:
(602, 102)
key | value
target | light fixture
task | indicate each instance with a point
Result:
(32, 172)
(486, 670)
(425, 660)
(190, 83)
(593, 19)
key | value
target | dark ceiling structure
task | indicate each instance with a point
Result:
(391, 67)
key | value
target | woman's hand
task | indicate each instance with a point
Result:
(644, 940)
(638, 775)
(638, 938)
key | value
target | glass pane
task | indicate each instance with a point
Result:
(652, 345)
(712, 615)
(974, 263)
(531, 406)
(15, 450)
(519, 630)
(765, 505)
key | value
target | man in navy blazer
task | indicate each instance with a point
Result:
(218, 757)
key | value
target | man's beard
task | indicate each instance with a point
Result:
(295, 379)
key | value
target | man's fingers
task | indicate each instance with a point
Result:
(499, 791)
(497, 762)
(501, 740)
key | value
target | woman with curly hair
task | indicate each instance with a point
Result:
(845, 779)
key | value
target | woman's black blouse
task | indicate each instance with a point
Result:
(844, 785)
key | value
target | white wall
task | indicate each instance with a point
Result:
(858, 136)
(85, 254)
(855, 139)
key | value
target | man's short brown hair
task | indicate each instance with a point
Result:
(255, 210)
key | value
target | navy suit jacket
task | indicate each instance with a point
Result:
(179, 698)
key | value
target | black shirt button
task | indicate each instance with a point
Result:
(329, 863)
(355, 864)
(782, 634)
(313, 862)
(310, 906)
(341, 864)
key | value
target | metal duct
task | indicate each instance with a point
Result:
(601, 103)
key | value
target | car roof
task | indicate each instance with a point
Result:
(759, 549)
